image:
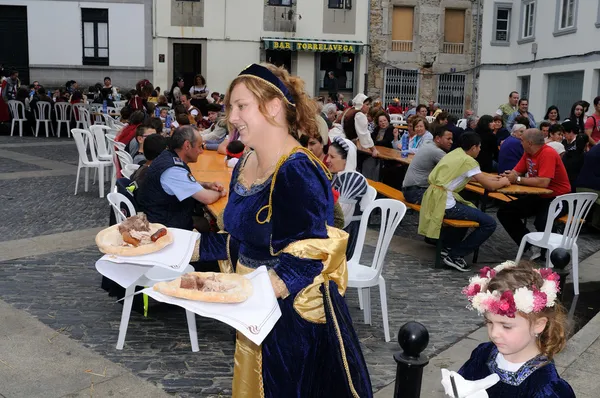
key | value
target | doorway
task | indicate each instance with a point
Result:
(187, 63)
(280, 58)
(14, 49)
(342, 65)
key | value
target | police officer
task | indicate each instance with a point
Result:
(170, 192)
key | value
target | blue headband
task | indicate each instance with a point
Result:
(267, 76)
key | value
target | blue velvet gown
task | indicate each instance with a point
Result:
(299, 358)
(537, 378)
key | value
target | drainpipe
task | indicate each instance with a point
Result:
(368, 47)
(476, 53)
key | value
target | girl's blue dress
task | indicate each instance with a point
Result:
(299, 358)
(537, 378)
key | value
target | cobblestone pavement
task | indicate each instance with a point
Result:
(69, 299)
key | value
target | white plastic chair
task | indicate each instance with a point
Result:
(63, 115)
(116, 201)
(365, 277)
(85, 140)
(124, 158)
(150, 278)
(129, 169)
(99, 132)
(353, 184)
(82, 116)
(17, 112)
(119, 104)
(43, 116)
(579, 204)
(462, 123)
(430, 119)
(396, 118)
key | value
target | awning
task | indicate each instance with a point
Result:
(312, 45)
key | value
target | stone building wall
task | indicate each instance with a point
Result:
(427, 56)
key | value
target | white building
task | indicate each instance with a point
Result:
(57, 41)
(547, 50)
(219, 38)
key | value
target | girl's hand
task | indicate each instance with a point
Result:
(396, 134)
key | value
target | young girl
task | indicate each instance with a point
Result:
(526, 326)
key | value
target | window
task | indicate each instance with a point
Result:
(280, 2)
(502, 19)
(341, 4)
(566, 17)
(402, 29)
(525, 82)
(564, 89)
(454, 31)
(528, 21)
(95, 36)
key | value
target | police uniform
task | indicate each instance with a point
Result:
(166, 193)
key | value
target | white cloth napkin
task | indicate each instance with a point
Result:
(254, 318)
(175, 256)
(467, 388)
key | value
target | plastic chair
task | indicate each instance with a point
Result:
(119, 104)
(43, 116)
(85, 140)
(579, 204)
(462, 123)
(116, 201)
(129, 169)
(99, 132)
(17, 112)
(63, 111)
(82, 116)
(352, 184)
(430, 119)
(366, 200)
(153, 276)
(364, 277)
(124, 158)
(396, 118)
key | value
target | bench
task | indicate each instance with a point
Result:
(494, 195)
(393, 193)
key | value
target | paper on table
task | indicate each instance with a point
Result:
(254, 318)
(175, 256)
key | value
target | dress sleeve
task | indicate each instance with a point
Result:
(473, 368)
(302, 207)
(556, 389)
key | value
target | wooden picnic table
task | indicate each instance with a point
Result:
(515, 189)
(211, 167)
(111, 114)
(386, 153)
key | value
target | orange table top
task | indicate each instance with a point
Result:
(392, 154)
(211, 167)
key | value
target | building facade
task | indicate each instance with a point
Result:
(425, 50)
(57, 41)
(547, 50)
(219, 38)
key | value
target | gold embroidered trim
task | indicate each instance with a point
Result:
(339, 337)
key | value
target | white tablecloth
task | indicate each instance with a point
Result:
(254, 318)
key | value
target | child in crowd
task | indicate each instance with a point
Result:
(526, 326)
(153, 146)
(163, 114)
(235, 150)
(555, 137)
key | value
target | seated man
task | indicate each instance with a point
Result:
(153, 146)
(193, 113)
(170, 192)
(542, 167)
(441, 200)
(415, 182)
(511, 150)
(216, 132)
(136, 145)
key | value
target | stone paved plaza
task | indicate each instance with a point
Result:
(61, 287)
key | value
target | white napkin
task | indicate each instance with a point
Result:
(467, 388)
(124, 274)
(254, 318)
(175, 256)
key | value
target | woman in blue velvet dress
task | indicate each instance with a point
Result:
(279, 214)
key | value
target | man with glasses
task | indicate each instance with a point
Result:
(170, 192)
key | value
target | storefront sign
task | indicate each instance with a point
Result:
(332, 47)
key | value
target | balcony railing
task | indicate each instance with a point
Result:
(402, 45)
(453, 48)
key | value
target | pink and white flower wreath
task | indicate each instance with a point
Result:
(523, 299)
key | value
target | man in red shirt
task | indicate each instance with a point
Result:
(540, 166)
(592, 124)
(394, 107)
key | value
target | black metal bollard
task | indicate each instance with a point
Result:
(560, 258)
(413, 338)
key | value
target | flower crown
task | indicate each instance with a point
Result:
(523, 299)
